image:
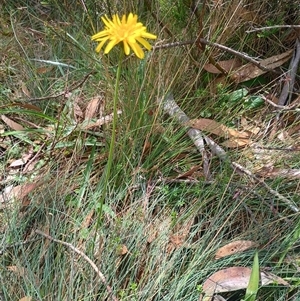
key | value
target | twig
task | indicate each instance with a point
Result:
(219, 46)
(271, 27)
(272, 191)
(85, 257)
(291, 106)
(170, 106)
(286, 93)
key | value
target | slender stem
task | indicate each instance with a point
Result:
(106, 174)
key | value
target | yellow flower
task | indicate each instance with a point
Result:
(129, 31)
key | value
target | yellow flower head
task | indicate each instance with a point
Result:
(128, 31)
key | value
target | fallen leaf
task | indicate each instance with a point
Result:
(233, 279)
(216, 128)
(77, 111)
(19, 192)
(227, 65)
(278, 172)
(12, 124)
(92, 108)
(20, 271)
(235, 143)
(122, 250)
(86, 125)
(27, 298)
(42, 70)
(27, 106)
(25, 90)
(190, 172)
(269, 278)
(22, 161)
(249, 71)
(235, 247)
(227, 280)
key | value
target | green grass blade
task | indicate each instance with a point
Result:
(252, 288)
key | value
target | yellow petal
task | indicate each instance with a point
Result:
(137, 50)
(148, 35)
(130, 18)
(106, 21)
(144, 43)
(126, 47)
(123, 20)
(98, 48)
(110, 46)
(116, 20)
(99, 35)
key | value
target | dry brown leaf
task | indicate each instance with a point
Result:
(19, 192)
(216, 128)
(12, 124)
(180, 234)
(42, 70)
(249, 127)
(25, 158)
(236, 143)
(122, 250)
(25, 90)
(235, 247)
(175, 242)
(20, 271)
(190, 172)
(77, 111)
(278, 172)
(227, 65)
(250, 71)
(227, 280)
(269, 278)
(99, 122)
(152, 233)
(27, 298)
(235, 278)
(28, 106)
(92, 108)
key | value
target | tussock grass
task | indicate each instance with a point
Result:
(46, 49)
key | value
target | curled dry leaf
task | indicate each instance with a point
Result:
(234, 278)
(92, 107)
(250, 71)
(12, 124)
(235, 247)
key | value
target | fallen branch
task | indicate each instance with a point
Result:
(85, 257)
(170, 106)
(272, 27)
(241, 55)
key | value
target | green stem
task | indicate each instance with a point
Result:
(107, 171)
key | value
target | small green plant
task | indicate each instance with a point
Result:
(252, 287)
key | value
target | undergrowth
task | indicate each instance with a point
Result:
(163, 217)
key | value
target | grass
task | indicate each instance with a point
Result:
(160, 230)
